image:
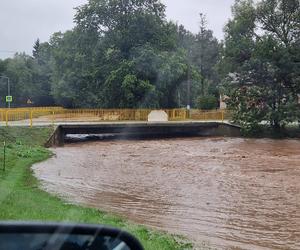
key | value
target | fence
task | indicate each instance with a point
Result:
(53, 115)
(196, 114)
(31, 108)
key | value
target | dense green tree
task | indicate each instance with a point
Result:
(125, 54)
(127, 24)
(73, 70)
(203, 53)
(36, 48)
(120, 54)
(123, 88)
(262, 56)
(20, 70)
(206, 55)
(207, 102)
(3, 83)
(42, 75)
(30, 79)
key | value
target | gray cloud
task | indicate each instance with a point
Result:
(23, 21)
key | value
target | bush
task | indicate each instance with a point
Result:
(207, 102)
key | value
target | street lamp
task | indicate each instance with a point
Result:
(8, 87)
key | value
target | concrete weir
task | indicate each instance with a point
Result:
(145, 130)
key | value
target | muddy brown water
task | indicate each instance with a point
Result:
(232, 193)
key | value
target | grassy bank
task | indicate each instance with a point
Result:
(21, 198)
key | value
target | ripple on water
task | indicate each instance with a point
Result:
(234, 193)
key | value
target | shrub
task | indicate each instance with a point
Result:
(207, 102)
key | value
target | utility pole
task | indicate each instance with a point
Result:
(189, 88)
(188, 105)
(8, 87)
(203, 23)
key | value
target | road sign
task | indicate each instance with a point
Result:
(9, 98)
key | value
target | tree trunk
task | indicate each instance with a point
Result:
(276, 127)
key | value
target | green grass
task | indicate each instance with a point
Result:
(22, 199)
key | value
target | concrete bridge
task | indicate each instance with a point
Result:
(145, 130)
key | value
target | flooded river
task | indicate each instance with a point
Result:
(233, 193)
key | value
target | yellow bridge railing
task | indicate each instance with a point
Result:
(51, 115)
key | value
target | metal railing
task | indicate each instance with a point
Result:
(31, 108)
(218, 114)
(52, 115)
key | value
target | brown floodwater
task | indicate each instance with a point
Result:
(231, 193)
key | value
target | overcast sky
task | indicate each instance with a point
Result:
(23, 21)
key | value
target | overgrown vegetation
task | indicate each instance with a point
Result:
(22, 199)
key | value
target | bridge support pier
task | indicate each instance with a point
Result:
(57, 138)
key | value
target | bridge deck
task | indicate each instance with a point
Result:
(146, 129)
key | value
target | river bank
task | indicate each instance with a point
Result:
(22, 199)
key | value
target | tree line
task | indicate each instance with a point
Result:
(126, 54)
(120, 54)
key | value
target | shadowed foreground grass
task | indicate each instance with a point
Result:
(21, 198)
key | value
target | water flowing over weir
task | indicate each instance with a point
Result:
(144, 130)
(234, 193)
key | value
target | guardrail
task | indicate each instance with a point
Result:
(218, 114)
(51, 115)
(31, 108)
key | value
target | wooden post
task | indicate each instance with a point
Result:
(53, 113)
(31, 116)
(6, 118)
(4, 155)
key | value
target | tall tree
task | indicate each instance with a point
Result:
(206, 56)
(127, 23)
(203, 54)
(103, 57)
(36, 48)
(262, 56)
